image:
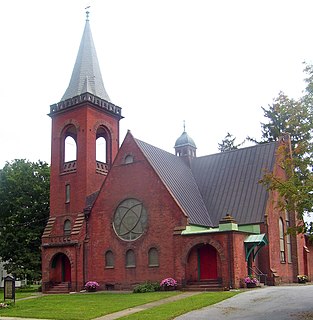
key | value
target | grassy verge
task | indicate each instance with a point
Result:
(174, 309)
(80, 306)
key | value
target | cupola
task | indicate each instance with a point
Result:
(185, 146)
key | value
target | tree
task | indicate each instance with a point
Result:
(24, 211)
(228, 143)
(295, 118)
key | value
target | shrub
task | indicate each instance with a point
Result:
(146, 287)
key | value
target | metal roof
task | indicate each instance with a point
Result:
(229, 182)
(86, 75)
(179, 180)
(218, 184)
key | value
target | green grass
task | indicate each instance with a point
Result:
(79, 306)
(89, 306)
(174, 309)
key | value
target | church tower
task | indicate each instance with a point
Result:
(84, 143)
(85, 133)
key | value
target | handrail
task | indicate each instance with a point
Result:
(259, 274)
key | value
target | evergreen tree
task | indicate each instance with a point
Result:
(228, 143)
(295, 118)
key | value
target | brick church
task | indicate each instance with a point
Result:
(123, 214)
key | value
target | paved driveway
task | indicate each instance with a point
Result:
(274, 303)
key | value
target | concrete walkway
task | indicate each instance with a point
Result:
(146, 306)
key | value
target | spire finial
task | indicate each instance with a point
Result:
(184, 125)
(87, 13)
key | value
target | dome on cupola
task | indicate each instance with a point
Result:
(185, 147)
(184, 140)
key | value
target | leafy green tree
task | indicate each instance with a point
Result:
(228, 143)
(24, 210)
(295, 118)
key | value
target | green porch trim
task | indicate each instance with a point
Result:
(192, 229)
(254, 241)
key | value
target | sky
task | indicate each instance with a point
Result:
(212, 64)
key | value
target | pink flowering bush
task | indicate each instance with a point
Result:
(251, 279)
(91, 285)
(168, 282)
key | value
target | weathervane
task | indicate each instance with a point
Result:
(87, 13)
(184, 124)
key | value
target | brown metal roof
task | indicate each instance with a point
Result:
(229, 182)
(218, 184)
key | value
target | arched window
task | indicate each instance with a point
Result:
(69, 149)
(153, 257)
(130, 259)
(282, 240)
(103, 145)
(67, 193)
(129, 159)
(109, 259)
(101, 150)
(67, 227)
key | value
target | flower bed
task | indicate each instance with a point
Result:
(168, 284)
(251, 281)
(91, 286)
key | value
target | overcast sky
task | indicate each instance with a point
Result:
(210, 63)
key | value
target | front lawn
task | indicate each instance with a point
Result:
(89, 306)
(80, 306)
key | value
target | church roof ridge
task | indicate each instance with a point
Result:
(86, 75)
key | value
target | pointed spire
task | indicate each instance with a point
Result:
(86, 75)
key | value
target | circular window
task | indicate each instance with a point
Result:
(130, 219)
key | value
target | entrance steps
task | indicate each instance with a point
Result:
(62, 287)
(204, 285)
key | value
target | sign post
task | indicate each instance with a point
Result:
(9, 288)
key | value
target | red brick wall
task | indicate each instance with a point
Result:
(163, 215)
(85, 180)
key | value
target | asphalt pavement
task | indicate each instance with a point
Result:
(294, 302)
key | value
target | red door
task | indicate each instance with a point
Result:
(207, 263)
(66, 269)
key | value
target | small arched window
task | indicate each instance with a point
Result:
(67, 227)
(109, 259)
(282, 240)
(130, 259)
(129, 159)
(153, 257)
